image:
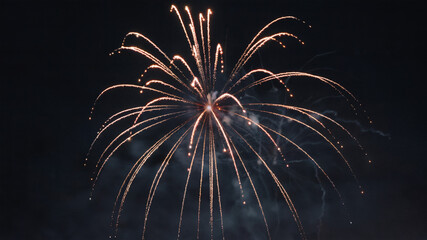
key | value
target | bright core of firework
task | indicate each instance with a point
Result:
(207, 113)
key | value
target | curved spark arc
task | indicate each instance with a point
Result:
(319, 134)
(136, 169)
(173, 7)
(116, 115)
(146, 39)
(157, 100)
(119, 145)
(138, 35)
(201, 20)
(226, 138)
(261, 43)
(236, 69)
(209, 13)
(199, 91)
(164, 84)
(182, 60)
(155, 46)
(193, 95)
(253, 188)
(155, 66)
(138, 87)
(157, 178)
(227, 95)
(196, 48)
(218, 189)
(141, 88)
(263, 127)
(218, 52)
(248, 75)
(303, 74)
(128, 130)
(195, 128)
(161, 65)
(211, 185)
(329, 82)
(187, 181)
(304, 111)
(200, 184)
(279, 185)
(105, 127)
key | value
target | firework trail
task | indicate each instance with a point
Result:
(201, 109)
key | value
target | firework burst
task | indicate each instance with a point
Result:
(203, 107)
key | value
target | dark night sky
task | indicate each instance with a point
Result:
(54, 62)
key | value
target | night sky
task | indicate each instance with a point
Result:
(54, 62)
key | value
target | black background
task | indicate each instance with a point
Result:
(54, 62)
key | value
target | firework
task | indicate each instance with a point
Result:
(203, 106)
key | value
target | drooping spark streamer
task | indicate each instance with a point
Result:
(198, 111)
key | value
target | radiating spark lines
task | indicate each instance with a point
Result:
(206, 117)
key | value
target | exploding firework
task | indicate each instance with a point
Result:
(200, 108)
